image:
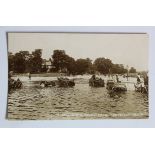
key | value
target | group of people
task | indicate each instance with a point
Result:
(118, 81)
(13, 84)
(145, 80)
(93, 78)
(142, 86)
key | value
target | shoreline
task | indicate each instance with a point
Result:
(37, 74)
(60, 74)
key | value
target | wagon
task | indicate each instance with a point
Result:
(117, 87)
(98, 82)
(61, 82)
(14, 84)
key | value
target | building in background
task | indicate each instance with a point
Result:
(47, 65)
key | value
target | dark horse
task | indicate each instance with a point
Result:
(14, 84)
(65, 82)
(61, 82)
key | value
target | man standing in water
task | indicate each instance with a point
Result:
(29, 76)
(138, 79)
(117, 79)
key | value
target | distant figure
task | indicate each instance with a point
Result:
(138, 79)
(93, 77)
(29, 76)
(117, 79)
(127, 77)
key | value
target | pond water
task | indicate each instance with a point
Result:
(32, 102)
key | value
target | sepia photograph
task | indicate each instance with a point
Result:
(77, 76)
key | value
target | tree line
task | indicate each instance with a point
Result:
(24, 61)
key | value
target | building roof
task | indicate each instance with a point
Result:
(47, 62)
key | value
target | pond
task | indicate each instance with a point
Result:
(32, 102)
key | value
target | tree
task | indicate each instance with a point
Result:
(132, 70)
(19, 63)
(28, 60)
(103, 65)
(83, 66)
(118, 69)
(59, 58)
(24, 54)
(36, 61)
(23, 61)
(10, 61)
(63, 62)
(70, 64)
(29, 63)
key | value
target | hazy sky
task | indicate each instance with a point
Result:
(127, 49)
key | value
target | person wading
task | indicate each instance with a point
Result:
(138, 79)
(29, 76)
(117, 79)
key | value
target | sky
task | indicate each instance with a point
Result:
(127, 49)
